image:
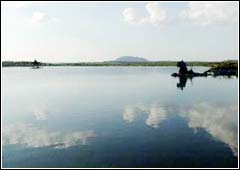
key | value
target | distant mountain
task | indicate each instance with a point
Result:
(131, 59)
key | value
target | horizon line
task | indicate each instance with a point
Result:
(119, 61)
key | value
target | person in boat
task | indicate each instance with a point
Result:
(183, 68)
(36, 64)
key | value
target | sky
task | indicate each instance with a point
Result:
(102, 31)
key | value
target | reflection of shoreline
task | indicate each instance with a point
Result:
(183, 80)
(220, 121)
(23, 134)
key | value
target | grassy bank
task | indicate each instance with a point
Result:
(111, 63)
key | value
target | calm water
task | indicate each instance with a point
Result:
(117, 117)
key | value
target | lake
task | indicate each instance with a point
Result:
(117, 117)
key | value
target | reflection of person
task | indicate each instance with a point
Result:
(182, 82)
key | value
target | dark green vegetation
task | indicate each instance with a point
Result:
(228, 68)
(225, 68)
(114, 63)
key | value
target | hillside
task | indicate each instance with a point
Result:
(131, 59)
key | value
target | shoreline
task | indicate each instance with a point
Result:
(114, 64)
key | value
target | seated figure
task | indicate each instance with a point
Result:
(183, 68)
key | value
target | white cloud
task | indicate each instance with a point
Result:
(130, 15)
(205, 13)
(202, 13)
(15, 4)
(27, 135)
(156, 15)
(40, 17)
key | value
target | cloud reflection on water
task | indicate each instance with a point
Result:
(40, 113)
(220, 121)
(156, 114)
(27, 135)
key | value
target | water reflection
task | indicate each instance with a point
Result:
(220, 121)
(40, 112)
(27, 135)
(156, 114)
(182, 82)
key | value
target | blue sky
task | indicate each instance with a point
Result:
(102, 31)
